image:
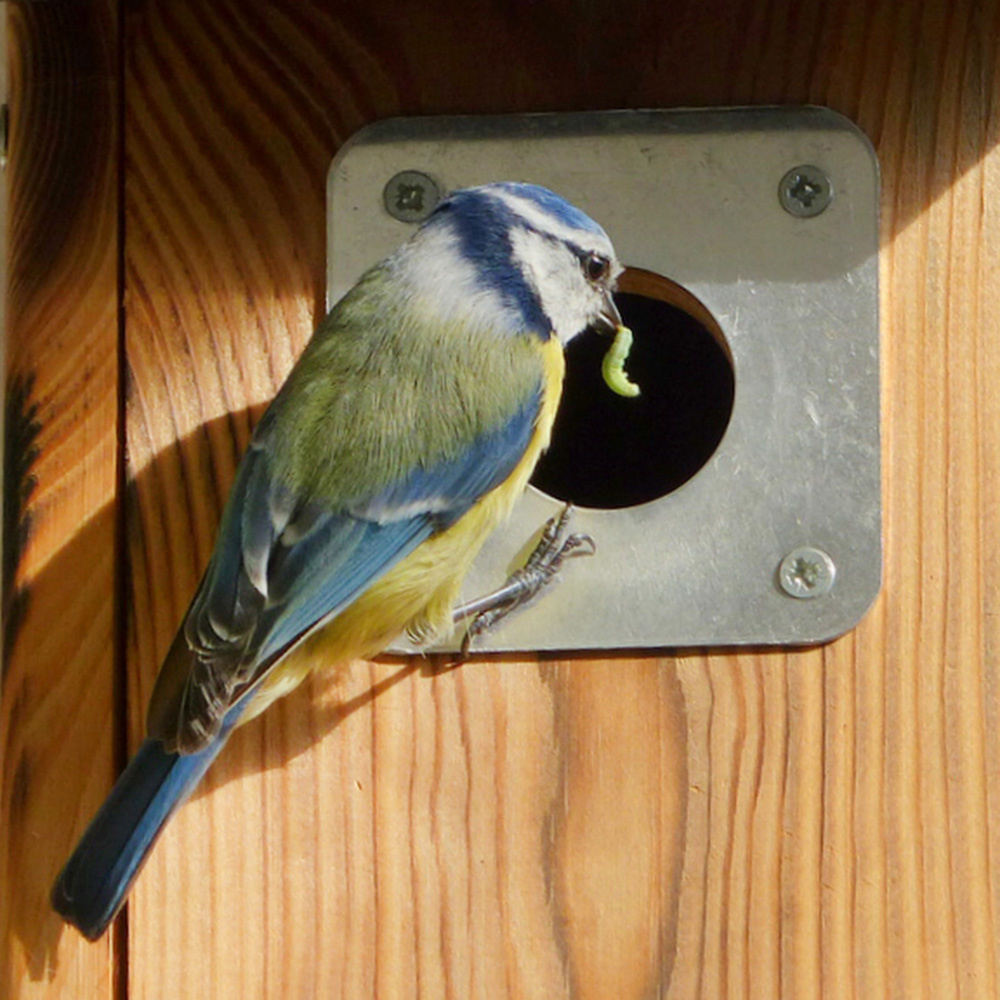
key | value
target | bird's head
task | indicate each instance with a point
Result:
(519, 256)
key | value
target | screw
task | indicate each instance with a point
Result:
(806, 572)
(805, 191)
(411, 196)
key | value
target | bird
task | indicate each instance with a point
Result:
(399, 441)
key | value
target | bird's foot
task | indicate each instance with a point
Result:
(526, 583)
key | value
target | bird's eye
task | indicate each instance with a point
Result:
(596, 267)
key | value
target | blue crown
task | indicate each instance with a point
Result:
(552, 204)
(481, 201)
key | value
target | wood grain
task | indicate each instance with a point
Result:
(794, 824)
(59, 728)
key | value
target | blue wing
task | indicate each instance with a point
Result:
(284, 564)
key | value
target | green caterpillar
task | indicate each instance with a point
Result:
(613, 366)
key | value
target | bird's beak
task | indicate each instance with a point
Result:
(609, 315)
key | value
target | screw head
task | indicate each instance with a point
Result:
(410, 196)
(805, 191)
(806, 572)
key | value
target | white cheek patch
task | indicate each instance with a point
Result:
(447, 284)
(568, 299)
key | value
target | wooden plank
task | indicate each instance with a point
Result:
(60, 732)
(764, 824)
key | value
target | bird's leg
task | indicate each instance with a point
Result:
(524, 584)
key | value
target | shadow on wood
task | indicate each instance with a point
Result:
(58, 757)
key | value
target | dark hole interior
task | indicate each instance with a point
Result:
(608, 451)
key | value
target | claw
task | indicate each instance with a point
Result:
(526, 583)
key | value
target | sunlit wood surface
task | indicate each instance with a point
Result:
(807, 824)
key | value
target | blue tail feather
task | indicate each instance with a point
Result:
(93, 885)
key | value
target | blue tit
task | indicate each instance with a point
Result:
(400, 440)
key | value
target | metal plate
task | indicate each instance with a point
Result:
(695, 196)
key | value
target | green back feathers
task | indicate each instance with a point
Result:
(379, 392)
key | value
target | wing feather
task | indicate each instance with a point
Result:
(290, 559)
